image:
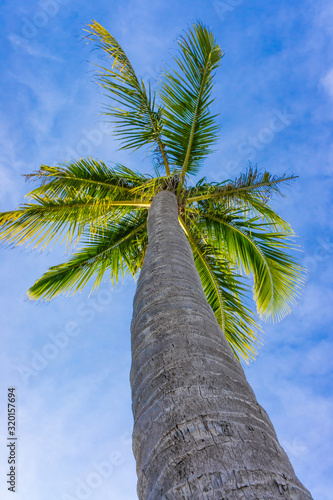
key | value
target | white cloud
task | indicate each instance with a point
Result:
(327, 82)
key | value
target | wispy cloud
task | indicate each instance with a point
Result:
(32, 48)
(327, 82)
(74, 412)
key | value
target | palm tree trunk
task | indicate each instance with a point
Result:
(199, 432)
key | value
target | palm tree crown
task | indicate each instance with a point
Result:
(230, 226)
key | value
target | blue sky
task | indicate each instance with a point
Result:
(69, 359)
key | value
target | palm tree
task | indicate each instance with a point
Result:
(198, 429)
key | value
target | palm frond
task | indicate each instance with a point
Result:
(188, 126)
(249, 192)
(254, 249)
(118, 249)
(261, 185)
(49, 219)
(225, 294)
(45, 221)
(85, 177)
(138, 118)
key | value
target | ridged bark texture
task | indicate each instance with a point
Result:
(199, 432)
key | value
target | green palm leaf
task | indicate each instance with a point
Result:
(252, 182)
(118, 249)
(225, 294)
(138, 119)
(73, 197)
(85, 176)
(257, 251)
(47, 220)
(250, 192)
(188, 126)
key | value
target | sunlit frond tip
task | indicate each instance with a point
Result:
(133, 107)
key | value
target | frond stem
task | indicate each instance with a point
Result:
(189, 146)
(237, 190)
(90, 181)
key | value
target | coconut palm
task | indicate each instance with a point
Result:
(198, 429)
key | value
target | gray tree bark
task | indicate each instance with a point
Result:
(199, 432)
